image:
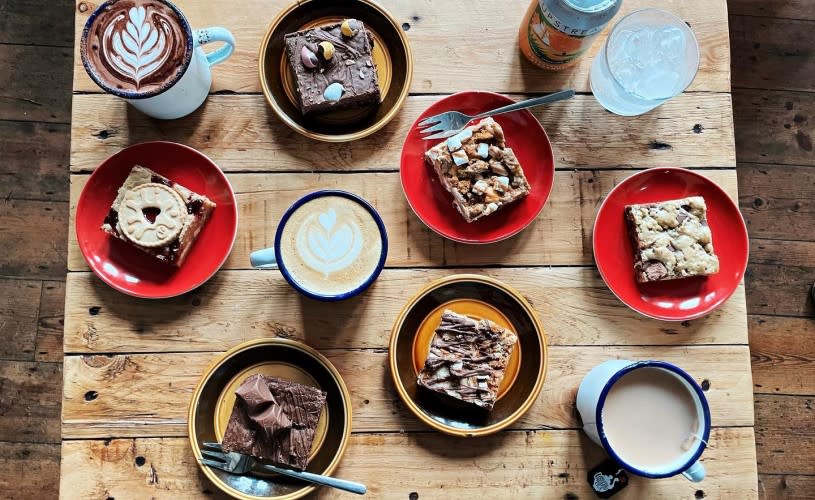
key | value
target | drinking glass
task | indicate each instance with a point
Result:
(649, 57)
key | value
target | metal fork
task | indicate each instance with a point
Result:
(237, 463)
(452, 122)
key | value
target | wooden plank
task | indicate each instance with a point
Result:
(789, 9)
(18, 318)
(785, 436)
(40, 94)
(779, 277)
(783, 354)
(787, 486)
(29, 470)
(561, 234)
(141, 394)
(40, 22)
(25, 221)
(29, 408)
(50, 322)
(539, 465)
(778, 201)
(768, 53)
(240, 133)
(574, 305)
(35, 161)
(774, 127)
(443, 62)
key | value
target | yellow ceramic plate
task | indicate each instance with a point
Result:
(478, 297)
(214, 398)
(391, 53)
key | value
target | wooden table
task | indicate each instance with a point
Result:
(130, 365)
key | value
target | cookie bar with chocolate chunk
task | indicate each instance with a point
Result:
(477, 168)
(467, 359)
(671, 239)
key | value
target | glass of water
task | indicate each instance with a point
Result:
(649, 56)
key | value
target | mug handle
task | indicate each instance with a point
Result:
(695, 473)
(263, 259)
(216, 34)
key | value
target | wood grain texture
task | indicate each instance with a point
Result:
(779, 277)
(768, 53)
(783, 354)
(774, 127)
(539, 465)
(574, 305)
(30, 402)
(777, 201)
(786, 487)
(29, 92)
(50, 322)
(41, 22)
(18, 318)
(24, 221)
(240, 132)
(29, 470)
(786, 9)
(35, 161)
(785, 436)
(560, 236)
(443, 61)
(148, 394)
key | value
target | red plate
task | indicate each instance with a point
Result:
(675, 300)
(434, 205)
(126, 268)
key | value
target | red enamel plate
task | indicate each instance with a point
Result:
(434, 205)
(674, 300)
(126, 268)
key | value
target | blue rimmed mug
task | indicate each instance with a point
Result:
(329, 245)
(140, 33)
(592, 396)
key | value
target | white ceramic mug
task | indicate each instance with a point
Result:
(187, 92)
(591, 398)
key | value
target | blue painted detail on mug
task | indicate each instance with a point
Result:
(319, 194)
(673, 369)
(185, 25)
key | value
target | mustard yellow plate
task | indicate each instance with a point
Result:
(391, 54)
(479, 297)
(214, 398)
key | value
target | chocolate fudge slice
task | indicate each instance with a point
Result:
(158, 216)
(467, 359)
(274, 420)
(671, 239)
(477, 168)
(333, 67)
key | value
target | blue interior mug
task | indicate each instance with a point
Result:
(329, 245)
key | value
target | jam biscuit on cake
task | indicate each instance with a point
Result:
(157, 216)
(477, 168)
(333, 67)
(467, 360)
(671, 239)
(275, 420)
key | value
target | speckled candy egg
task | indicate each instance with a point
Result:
(333, 92)
(309, 58)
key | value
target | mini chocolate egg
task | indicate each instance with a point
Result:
(333, 92)
(325, 50)
(350, 27)
(309, 58)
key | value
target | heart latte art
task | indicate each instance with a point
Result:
(331, 245)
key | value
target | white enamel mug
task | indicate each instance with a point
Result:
(591, 398)
(189, 88)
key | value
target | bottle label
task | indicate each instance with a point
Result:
(555, 42)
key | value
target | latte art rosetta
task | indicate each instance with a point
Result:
(326, 245)
(138, 48)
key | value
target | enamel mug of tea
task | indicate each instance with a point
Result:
(145, 52)
(329, 245)
(650, 416)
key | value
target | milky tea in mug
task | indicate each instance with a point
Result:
(330, 245)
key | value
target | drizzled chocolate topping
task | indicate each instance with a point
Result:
(274, 420)
(136, 46)
(467, 359)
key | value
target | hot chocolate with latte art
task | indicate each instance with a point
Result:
(331, 245)
(139, 47)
